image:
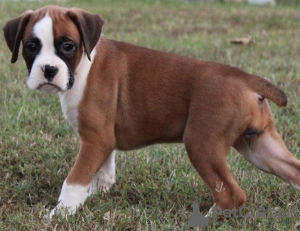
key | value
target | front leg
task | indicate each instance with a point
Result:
(91, 157)
(105, 177)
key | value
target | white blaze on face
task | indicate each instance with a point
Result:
(43, 30)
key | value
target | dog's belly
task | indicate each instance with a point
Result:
(134, 137)
(129, 143)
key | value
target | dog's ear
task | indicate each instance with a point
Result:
(89, 27)
(13, 33)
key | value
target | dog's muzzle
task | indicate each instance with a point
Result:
(50, 72)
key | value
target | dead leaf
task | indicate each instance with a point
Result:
(243, 41)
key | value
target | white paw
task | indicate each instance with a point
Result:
(210, 211)
(63, 210)
(105, 178)
(102, 181)
(71, 197)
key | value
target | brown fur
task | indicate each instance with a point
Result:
(137, 96)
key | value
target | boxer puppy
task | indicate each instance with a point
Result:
(116, 95)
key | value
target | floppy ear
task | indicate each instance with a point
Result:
(89, 27)
(13, 33)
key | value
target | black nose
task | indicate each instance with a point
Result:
(50, 72)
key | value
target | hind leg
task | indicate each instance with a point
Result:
(105, 177)
(209, 159)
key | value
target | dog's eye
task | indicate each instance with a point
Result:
(67, 48)
(32, 48)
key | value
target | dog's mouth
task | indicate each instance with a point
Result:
(49, 87)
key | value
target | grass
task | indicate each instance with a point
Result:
(38, 148)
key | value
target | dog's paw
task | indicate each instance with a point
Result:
(105, 178)
(62, 210)
(102, 181)
(71, 197)
(210, 211)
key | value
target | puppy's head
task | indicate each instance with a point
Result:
(54, 41)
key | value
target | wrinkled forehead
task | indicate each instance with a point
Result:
(61, 24)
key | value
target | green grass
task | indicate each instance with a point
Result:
(155, 186)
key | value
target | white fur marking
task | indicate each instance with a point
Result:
(297, 187)
(71, 197)
(105, 178)
(43, 30)
(70, 99)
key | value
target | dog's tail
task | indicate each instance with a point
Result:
(267, 89)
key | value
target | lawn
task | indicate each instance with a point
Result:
(155, 186)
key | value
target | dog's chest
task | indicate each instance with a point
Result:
(71, 99)
(69, 104)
